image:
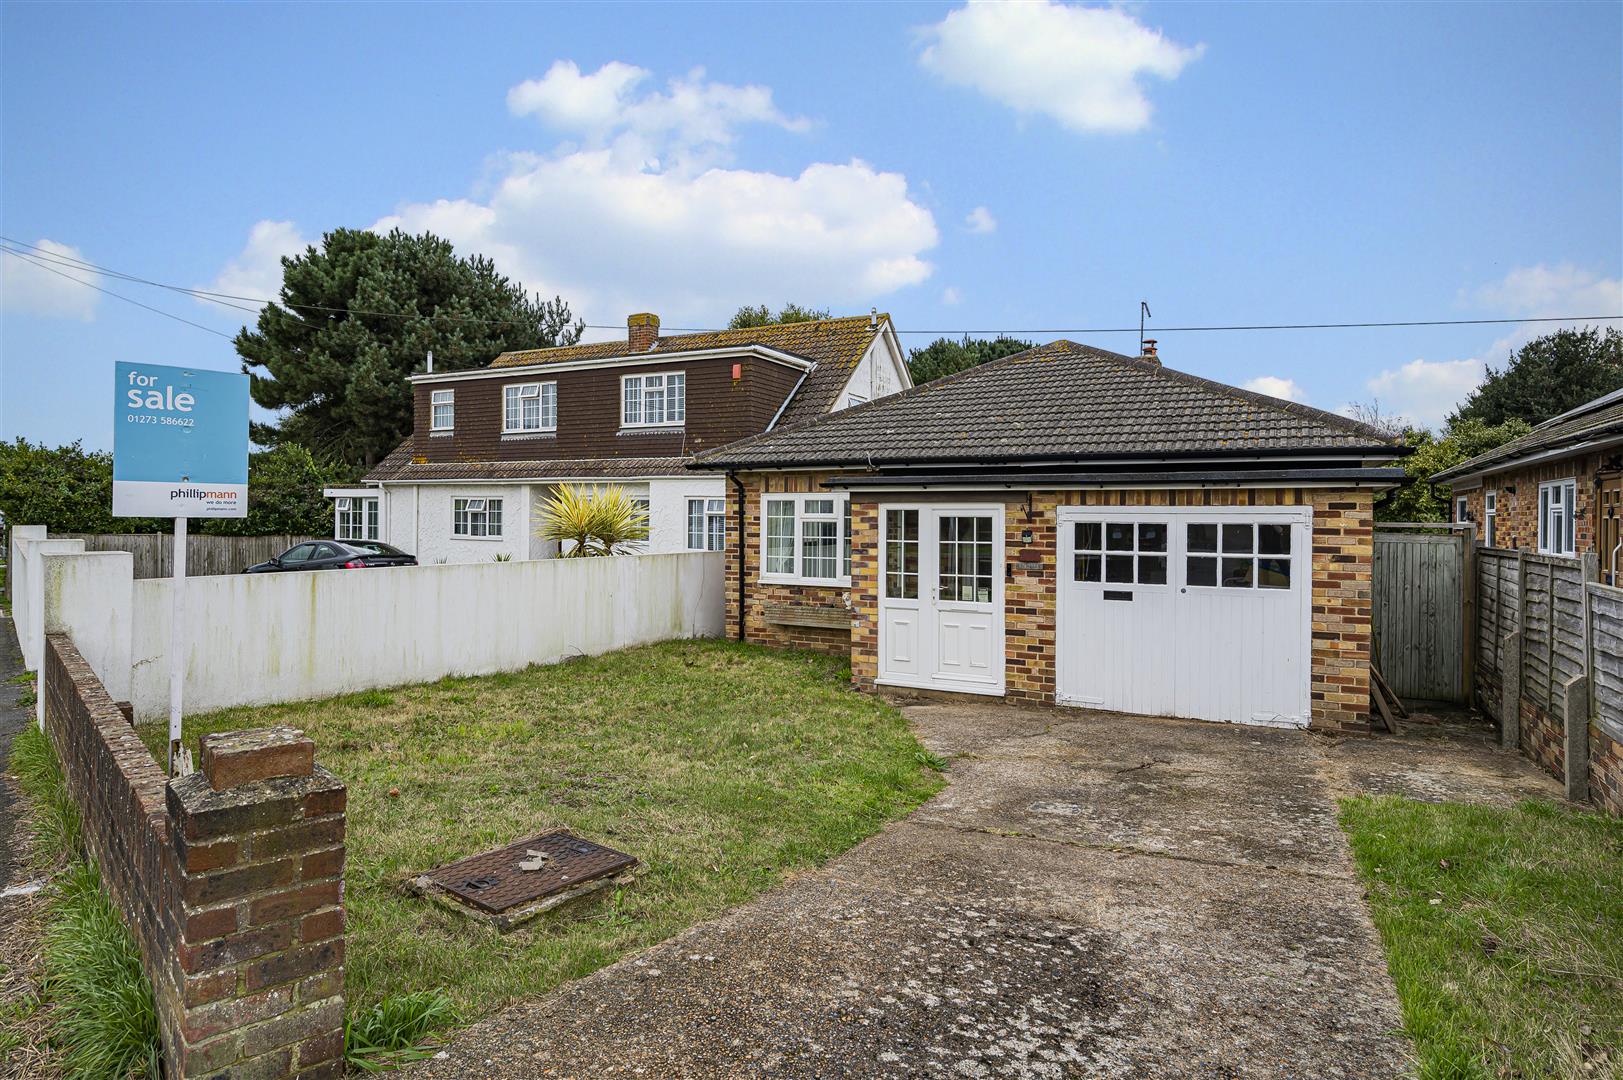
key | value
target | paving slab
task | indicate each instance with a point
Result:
(1454, 758)
(1062, 909)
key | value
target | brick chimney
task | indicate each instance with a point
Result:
(642, 330)
(1149, 353)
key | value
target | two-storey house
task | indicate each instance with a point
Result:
(490, 444)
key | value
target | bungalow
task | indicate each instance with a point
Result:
(1070, 525)
(1558, 490)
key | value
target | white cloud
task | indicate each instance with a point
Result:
(256, 271)
(1426, 391)
(28, 288)
(951, 296)
(1082, 66)
(613, 228)
(693, 121)
(980, 220)
(1274, 386)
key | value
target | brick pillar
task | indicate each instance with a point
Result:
(255, 980)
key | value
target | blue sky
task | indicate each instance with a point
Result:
(1022, 168)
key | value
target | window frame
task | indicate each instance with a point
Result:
(711, 511)
(1490, 517)
(541, 396)
(641, 378)
(434, 405)
(842, 537)
(1563, 515)
(461, 505)
(347, 517)
(1462, 509)
(1222, 554)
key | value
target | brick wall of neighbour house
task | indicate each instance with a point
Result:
(230, 879)
(1343, 557)
(1517, 517)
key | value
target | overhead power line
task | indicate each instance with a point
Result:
(114, 295)
(35, 254)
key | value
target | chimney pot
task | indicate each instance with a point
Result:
(1149, 353)
(642, 331)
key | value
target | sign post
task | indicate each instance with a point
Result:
(180, 450)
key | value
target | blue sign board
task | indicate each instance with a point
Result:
(180, 442)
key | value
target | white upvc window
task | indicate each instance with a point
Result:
(1557, 532)
(1462, 508)
(476, 519)
(1490, 516)
(654, 400)
(355, 518)
(529, 407)
(707, 524)
(442, 410)
(806, 539)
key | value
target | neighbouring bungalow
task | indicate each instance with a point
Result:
(1075, 526)
(1558, 490)
(489, 445)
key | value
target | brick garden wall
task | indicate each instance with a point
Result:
(1605, 771)
(1343, 561)
(230, 879)
(1542, 739)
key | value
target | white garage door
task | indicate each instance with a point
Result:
(1204, 612)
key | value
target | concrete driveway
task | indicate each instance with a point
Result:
(1092, 896)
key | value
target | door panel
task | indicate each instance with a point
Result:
(941, 597)
(1185, 611)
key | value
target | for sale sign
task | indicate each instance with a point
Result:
(180, 442)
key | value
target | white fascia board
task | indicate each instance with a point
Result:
(370, 492)
(668, 359)
(638, 479)
(898, 354)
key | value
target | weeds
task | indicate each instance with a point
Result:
(396, 1031)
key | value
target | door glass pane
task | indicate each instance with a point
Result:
(1237, 573)
(1201, 571)
(1089, 536)
(1119, 568)
(1088, 568)
(1152, 536)
(902, 554)
(1203, 538)
(1152, 569)
(1274, 539)
(964, 558)
(1273, 573)
(1237, 538)
(1119, 536)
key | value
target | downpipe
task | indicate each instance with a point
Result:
(738, 485)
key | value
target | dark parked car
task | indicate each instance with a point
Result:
(334, 555)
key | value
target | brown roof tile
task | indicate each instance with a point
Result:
(398, 466)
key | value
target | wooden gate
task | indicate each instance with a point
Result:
(1419, 614)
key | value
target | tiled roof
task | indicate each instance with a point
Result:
(834, 345)
(398, 466)
(1596, 420)
(1055, 402)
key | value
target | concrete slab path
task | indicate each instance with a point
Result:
(1093, 895)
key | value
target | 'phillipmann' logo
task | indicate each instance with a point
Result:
(200, 493)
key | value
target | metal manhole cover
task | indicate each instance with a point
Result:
(496, 883)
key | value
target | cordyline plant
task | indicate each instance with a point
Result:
(592, 521)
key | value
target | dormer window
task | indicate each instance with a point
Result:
(653, 400)
(442, 406)
(530, 407)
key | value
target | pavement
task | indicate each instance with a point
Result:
(1093, 895)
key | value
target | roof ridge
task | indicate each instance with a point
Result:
(875, 319)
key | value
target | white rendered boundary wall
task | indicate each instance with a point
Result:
(256, 639)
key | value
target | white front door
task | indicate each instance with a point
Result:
(941, 597)
(1202, 612)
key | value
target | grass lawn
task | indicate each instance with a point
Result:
(723, 767)
(1503, 929)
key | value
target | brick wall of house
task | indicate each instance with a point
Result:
(230, 879)
(1516, 525)
(1343, 556)
(760, 597)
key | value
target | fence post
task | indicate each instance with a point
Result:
(1468, 616)
(1575, 733)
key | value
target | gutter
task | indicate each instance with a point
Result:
(1465, 470)
(738, 485)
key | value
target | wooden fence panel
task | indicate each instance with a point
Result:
(206, 556)
(1418, 614)
(1606, 656)
(1498, 615)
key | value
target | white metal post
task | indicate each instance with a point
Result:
(177, 642)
